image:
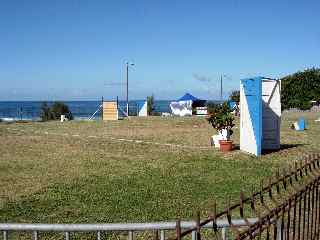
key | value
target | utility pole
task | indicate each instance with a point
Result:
(127, 73)
(127, 67)
(221, 88)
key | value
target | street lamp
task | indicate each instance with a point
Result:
(127, 70)
(222, 76)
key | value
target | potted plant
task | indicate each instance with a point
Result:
(221, 118)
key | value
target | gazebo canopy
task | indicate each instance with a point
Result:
(188, 97)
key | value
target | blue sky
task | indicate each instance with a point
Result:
(73, 50)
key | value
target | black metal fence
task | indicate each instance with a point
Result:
(287, 206)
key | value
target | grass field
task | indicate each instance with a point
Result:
(142, 169)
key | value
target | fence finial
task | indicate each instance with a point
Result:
(261, 191)
(241, 204)
(214, 216)
(284, 180)
(296, 171)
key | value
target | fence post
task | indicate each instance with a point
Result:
(162, 235)
(35, 235)
(194, 235)
(67, 235)
(130, 235)
(279, 230)
(5, 235)
(178, 229)
(224, 234)
(198, 226)
(98, 235)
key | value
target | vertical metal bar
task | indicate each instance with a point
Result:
(304, 213)
(294, 217)
(299, 215)
(282, 228)
(102, 108)
(308, 214)
(275, 230)
(162, 235)
(194, 235)
(288, 220)
(35, 235)
(98, 235)
(67, 236)
(178, 229)
(156, 234)
(312, 212)
(279, 229)
(317, 210)
(5, 235)
(130, 235)
(318, 217)
(224, 234)
(198, 226)
(268, 232)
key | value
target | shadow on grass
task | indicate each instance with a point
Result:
(282, 147)
(268, 151)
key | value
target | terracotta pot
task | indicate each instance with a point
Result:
(226, 145)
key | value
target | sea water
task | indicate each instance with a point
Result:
(30, 110)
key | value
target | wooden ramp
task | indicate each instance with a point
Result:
(110, 111)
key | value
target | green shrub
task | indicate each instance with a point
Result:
(235, 96)
(150, 105)
(220, 117)
(211, 106)
(298, 89)
(60, 108)
(55, 111)
(45, 112)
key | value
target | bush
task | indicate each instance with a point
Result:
(220, 117)
(235, 96)
(60, 108)
(211, 106)
(55, 111)
(45, 112)
(298, 89)
(150, 105)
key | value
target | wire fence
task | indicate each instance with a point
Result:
(287, 207)
(159, 230)
(79, 109)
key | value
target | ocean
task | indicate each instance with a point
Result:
(30, 110)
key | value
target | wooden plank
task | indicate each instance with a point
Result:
(110, 111)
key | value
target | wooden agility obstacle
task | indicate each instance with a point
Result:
(110, 110)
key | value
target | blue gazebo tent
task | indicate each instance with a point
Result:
(188, 97)
(184, 105)
(196, 102)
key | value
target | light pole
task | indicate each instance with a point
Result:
(127, 71)
(221, 88)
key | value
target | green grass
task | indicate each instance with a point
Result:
(79, 172)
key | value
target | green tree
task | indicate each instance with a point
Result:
(55, 111)
(298, 89)
(45, 112)
(150, 105)
(235, 96)
(60, 108)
